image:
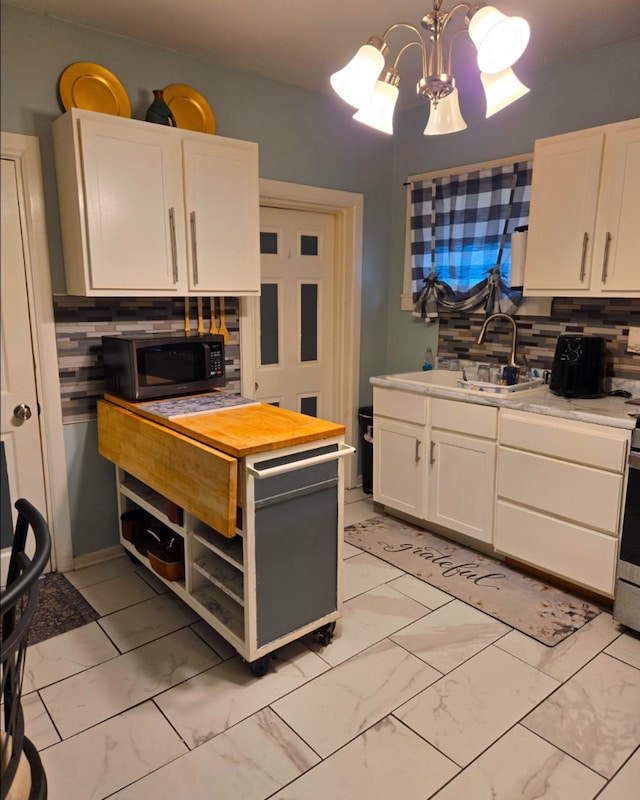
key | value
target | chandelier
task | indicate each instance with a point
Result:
(370, 83)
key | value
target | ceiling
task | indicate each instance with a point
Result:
(302, 43)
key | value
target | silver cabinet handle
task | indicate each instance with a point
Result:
(174, 248)
(605, 259)
(22, 412)
(417, 456)
(194, 247)
(432, 457)
(585, 242)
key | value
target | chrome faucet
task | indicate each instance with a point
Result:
(480, 340)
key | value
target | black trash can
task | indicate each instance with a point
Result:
(365, 442)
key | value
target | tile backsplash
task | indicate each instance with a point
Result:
(537, 335)
(82, 321)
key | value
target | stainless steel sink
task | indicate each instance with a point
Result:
(453, 379)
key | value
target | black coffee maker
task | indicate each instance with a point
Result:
(579, 366)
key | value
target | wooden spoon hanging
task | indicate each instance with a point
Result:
(200, 322)
(223, 328)
(212, 314)
(187, 321)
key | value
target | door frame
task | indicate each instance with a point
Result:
(24, 151)
(347, 210)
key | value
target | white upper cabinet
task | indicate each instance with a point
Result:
(222, 213)
(149, 210)
(585, 203)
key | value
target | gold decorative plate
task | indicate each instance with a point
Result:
(93, 88)
(189, 107)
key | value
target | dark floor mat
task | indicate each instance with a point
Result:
(60, 608)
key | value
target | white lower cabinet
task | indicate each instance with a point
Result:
(462, 467)
(399, 476)
(544, 490)
(559, 496)
(443, 472)
(555, 545)
(461, 485)
(399, 451)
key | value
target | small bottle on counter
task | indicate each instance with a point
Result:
(428, 360)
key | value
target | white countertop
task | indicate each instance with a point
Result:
(612, 411)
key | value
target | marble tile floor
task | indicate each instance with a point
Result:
(418, 696)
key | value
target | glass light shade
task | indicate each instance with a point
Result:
(499, 40)
(501, 89)
(354, 83)
(446, 116)
(378, 112)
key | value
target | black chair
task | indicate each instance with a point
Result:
(21, 769)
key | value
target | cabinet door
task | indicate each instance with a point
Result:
(564, 195)
(618, 233)
(222, 215)
(133, 207)
(461, 484)
(399, 466)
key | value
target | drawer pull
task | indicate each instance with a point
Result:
(174, 249)
(432, 457)
(583, 262)
(605, 259)
(194, 247)
(417, 450)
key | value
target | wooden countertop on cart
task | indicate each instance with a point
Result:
(245, 430)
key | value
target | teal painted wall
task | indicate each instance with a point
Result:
(92, 490)
(304, 138)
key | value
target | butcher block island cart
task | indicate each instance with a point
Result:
(260, 491)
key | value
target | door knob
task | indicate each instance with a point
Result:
(22, 412)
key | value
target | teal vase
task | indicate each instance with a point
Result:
(159, 112)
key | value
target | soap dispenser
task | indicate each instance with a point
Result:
(428, 360)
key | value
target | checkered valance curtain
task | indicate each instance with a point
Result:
(459, 238)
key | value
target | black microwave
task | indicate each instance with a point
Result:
(156, 365)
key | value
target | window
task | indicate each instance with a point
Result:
(459, 236)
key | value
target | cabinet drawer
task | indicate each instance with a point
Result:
(200, 479)
(582, 494)
(567, 550)
(404, 406)
(581, 442)
(464, 418)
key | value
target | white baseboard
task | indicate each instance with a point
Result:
(99, 557)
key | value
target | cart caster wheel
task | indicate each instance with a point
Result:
(259, 667)
(324, 635)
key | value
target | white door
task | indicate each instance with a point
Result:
(296, 333)
(22, 463)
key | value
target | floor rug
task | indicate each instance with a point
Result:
(60, 608)
(543, 612)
